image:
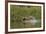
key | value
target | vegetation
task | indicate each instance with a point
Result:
(17, 12)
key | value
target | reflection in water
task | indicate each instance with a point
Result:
(31, 20)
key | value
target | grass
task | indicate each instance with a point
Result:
(17, 12)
